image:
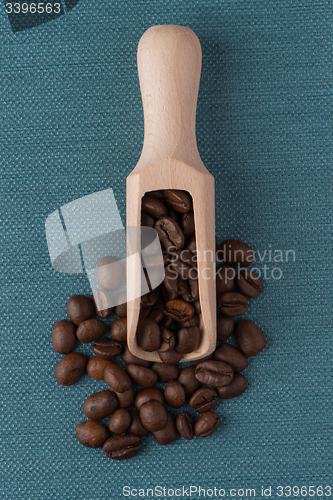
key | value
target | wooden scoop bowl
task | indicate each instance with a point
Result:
(169, 65)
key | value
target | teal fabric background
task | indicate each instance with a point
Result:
(71, 124)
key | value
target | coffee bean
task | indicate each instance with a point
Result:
(147, 220)
(191, 245)
(148, 335)
(225, 327)
(136, 426)
(236, 253)
(155, 194)
(170, 357)
(188, 381)
(196, 362)
(197, 306)
(168, 323)
(96, 367)
(204, 399)
(64, 337)
(172, 282)
(122, 447)
(185, 425)
(126, 398)
(120, 309)
(103, 303)
(207, 424)
(180, 201)
(174, 394)
(168, 340)
(188, 339)
(80, 308)
(155, 313)
(154, 207)
(150, 298)
(187, 224)
(168, 434)
(250, 338)
(235, 389)
(100, 405)
(147, 395)
(107, 348)
(215, 373)
(232, 356)
(90, 330)
(173, 214)
(182, 263)
(179, 310)
(249, 283)
(70, 368)
(120, 421)
(225, 279)
(116, 377)
(92, 434)
(194, 321)
(129, 358)
(119, 329)
(192, 292)
(232, 304)
(140, 375)
(170, 233)
(165, 372)
(110, 273)
(153, 415)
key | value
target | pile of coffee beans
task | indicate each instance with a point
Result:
(170, 314)
(140, 394)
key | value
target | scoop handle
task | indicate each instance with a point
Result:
(169, 66)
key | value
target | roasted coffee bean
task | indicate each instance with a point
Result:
(196, 362)
(165, 372)
(232, 304)
(191, 245)
(155, 194)
(122, 447)
(173, 214)
(236, 253)
(96, 367)
(170, 233)
(156, 312)
(204, 399)
(153, 206)
(194, 321)
(80, 308)
(180, 201)
(207, 424)
(225, 279)
(120, 309)
(215, 373)
(103, 303)
(169, 295)
(140, 375)
(185, 425)
(148, 394)
(174, 394)
(110, 273)
(235, 389)
(250, 338)
(147, 220)
(192, 292)
(126, 398)
(174, 285)
(232, 356)
(148, 335)
(197, 306)
(107, 348)
(168, 323)
(136, 426)
(183, 269)
(116, 377)
(92, 434)
(188, 381)
(187, 224)
(100, 405)
(169, 433)
(249, 283)
(225, 326)
(90, 330)
(120, 421)
(70, 368)
(168, 339)
(129, 358)
(188, 340)
(170, 357)
(119, 329)
(150, 298)
(64, 337)
(179, 310)
(153, 415)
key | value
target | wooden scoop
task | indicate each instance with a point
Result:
(169, 64)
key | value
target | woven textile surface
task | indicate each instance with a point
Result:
(72, 124)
